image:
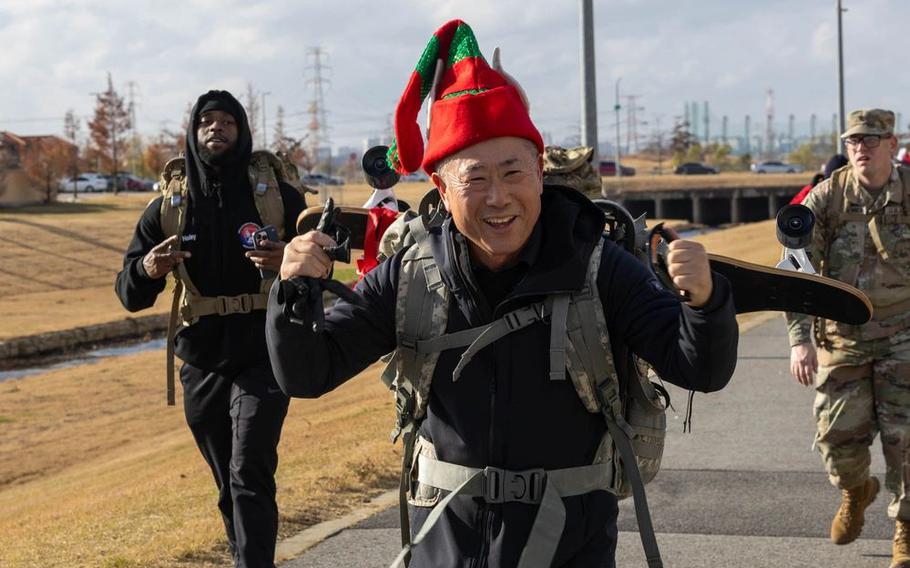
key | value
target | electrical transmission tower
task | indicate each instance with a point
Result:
(769, 125)
(632, 122)
(318, 125)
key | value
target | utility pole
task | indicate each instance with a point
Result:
(617, 107)
(790, 131)
(835, 138)
(748, 134)
(840, 76)
(265, 133)
(695, 121)
(588, 82)
(812, 120)
(769, 125)
(707, 120)
(723, 130)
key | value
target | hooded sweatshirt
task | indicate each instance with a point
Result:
(221, 215)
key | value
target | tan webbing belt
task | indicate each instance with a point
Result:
(197, 307)
(171, 332)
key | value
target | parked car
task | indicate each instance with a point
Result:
(608, 168)
(775, 167)
(320, 179)
(694, 168)
(85, 183)
(415, 176)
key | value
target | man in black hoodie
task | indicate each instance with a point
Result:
(507, 244)
(232, 403)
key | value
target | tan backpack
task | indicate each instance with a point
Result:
(188, 305)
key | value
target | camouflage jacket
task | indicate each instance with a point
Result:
(863, 241)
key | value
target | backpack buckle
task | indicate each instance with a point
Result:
(504, 486)
(234, 305)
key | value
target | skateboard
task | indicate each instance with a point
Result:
(755, 287)
(759, 288)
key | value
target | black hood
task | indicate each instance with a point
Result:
(199, 175)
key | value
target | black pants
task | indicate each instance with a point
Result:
(236, 421)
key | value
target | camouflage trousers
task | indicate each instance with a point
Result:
(863, 388)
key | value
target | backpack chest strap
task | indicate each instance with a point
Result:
(535, 486)
(476, 338)
(198, 306)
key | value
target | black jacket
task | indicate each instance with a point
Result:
(217, 267)
(504, 411)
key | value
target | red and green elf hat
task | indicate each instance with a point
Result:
(472, 103)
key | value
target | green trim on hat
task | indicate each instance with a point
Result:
(391, 157)
(465, 92)
(464, 45)
(426, 66)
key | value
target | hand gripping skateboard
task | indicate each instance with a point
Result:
(793, 286)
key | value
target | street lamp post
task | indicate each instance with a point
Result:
(840, 73)
(616, 107)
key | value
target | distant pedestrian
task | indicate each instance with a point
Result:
(837, 161)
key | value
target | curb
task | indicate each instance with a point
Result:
(296, 545)
(70, 339)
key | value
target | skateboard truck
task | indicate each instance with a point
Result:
(306, 292)
(794, 232)
(658, 239)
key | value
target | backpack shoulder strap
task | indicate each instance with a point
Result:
(265, 172)
(174, 196)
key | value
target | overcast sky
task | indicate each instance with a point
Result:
(729, 53)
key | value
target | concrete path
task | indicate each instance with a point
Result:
(743, 489)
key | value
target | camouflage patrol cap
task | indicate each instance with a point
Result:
(870, 121)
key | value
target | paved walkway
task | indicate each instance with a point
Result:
(743, 489)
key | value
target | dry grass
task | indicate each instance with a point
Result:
(96, 471)
(646, 182)
(59, 262)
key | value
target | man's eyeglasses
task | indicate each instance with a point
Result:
(869, 140)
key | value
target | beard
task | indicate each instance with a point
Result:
(212, 158)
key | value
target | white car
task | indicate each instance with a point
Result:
(774, 167)
(85, 183)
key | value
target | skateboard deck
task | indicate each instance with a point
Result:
(354, 218)
(759, 288)
(755, 287)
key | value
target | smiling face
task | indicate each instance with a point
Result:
(492, 189)
(872, 165)
(216, 132)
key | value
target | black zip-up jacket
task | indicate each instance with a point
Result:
(217, 267)
(504, 411)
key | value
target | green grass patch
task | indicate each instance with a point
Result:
(345, 274)
(5, 419)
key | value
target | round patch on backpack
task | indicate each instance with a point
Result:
(246, 235)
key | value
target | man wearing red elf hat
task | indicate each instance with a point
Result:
(503, 444)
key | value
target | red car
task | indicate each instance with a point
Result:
(608, 168)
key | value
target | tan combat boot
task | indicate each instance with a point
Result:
(900, 551)
(848, 521)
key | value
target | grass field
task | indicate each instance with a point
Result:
(95, 471)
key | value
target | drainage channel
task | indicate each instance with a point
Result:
(65, 361)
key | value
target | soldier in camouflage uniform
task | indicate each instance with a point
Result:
(862, 238)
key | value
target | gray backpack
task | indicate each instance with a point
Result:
(629, 454)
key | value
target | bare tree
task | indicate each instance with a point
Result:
(252, 110)
(108, 128)
(280, 139)
(71, 131)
